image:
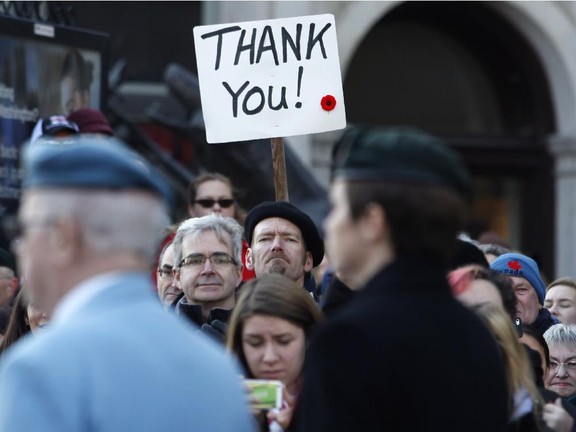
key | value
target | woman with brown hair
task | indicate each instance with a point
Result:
(269, 333)
(214, 193)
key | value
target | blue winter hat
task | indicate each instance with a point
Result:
(90, 162)
(515, 264)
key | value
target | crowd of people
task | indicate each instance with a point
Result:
(115, 318)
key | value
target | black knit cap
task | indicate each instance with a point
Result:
(467, 253)
(285, 210)
(399, 155)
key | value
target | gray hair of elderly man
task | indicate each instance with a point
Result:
(111, 221)
(561, 334)
(227, 230)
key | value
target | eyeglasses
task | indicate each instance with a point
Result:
(165, 273)
(198, 260)
(209, 203)
(570, 365)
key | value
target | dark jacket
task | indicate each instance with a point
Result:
(214, 326)
(403, 355)
(337, 296)
(550, 397)
(544, 320)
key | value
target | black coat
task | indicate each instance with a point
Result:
(404, 355)
(215, 326)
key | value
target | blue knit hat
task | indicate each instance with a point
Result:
(514, 264)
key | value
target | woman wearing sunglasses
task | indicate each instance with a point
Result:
(214, 193)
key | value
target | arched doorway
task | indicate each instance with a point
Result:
(462, 72)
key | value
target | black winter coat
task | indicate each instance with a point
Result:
(404, 355)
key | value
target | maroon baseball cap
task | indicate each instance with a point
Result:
(91, 121)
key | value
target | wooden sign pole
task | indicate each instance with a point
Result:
(279, 168)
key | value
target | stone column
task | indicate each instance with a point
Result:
(563, 150)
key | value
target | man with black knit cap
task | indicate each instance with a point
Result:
(284, 240)
(403, 355)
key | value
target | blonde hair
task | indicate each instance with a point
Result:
(517, 365)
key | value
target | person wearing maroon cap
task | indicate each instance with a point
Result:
(91, 121)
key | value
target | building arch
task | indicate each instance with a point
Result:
(553, 35)
(550, 28)
(546, 28)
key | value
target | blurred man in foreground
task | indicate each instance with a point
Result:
(111, 359)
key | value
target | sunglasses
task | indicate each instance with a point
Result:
(209, 203)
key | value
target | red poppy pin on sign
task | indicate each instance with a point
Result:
(328, 103)
(272, 86)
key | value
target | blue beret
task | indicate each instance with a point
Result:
(90, 162)
(285, 210)
(399, 155)
(515, 264)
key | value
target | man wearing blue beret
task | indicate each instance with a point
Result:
(403, 354)
(111, 359)
(529, 289)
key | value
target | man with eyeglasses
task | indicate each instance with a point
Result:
(208, 268)
(168, 289)
(91, 214)
(561, 376)
(213, 192)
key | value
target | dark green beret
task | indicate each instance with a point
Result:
(90, 162)
(399, 155)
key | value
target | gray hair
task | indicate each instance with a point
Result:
(226, 229)
(127, 221)
(561, 334)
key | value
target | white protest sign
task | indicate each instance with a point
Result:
(272, 78)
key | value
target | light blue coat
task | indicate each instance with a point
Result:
(121, 363)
